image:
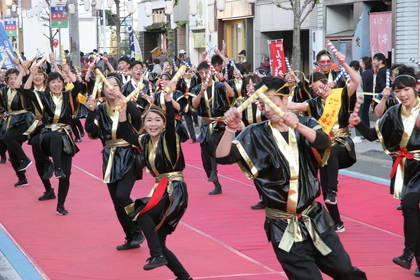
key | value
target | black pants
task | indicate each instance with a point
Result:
(190, 126)
(410, 208)
(209, 161)
(120, 194)
(51, 145)
(156, 240)
(3, 148)
(42, 162)
(304, 261)
(77, 128)
(14, 139)
(329, 178)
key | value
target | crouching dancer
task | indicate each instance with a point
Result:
(277, 155)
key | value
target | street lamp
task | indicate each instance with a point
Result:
(221, 5)
(148, 8)
(251, 1)
(110, 3)
(130, 7)
(86, 4)
(169, 7)
(193, 7)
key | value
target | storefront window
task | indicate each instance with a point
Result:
(235, 36)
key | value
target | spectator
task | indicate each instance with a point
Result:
(245, 65)
(367, 82)
(356, 66)
(182, 59)
(265, 64)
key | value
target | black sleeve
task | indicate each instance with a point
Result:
(170, 133)
(368, 133)
(380, 80)
(321, 140)
(124, 131)
(76, 90)
(234, 156)
(28, 94)
(134, 115)
(90, 126)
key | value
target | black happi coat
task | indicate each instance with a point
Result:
(19, 102)
(162, 157)
(256, 152)
(103, 124)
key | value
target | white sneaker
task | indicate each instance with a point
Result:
(357, 140)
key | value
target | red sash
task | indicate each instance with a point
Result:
(403, 153)
(157, 196)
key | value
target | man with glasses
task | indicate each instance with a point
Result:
(325, 65)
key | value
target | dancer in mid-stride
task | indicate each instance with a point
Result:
(120, 159)
(55, 139)
(160, 213)
(400, 137)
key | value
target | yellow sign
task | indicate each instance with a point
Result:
(331, 110)
(199, 40)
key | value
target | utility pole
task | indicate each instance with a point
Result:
(74, 34)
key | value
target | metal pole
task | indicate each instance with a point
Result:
(74, 34)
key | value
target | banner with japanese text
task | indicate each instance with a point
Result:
(380, 27)
(5, 44)
(278, 63)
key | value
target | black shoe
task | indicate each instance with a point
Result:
(417, 272)
(25, 164)
(59, 173)
(399, 207)
(77, 140)
(82, 134)
(129, 244)
(258, 206)
(138, 239)
(2, 158)
(154, 262)
(22, 182)
(189, 278)
(61, 211)
(217, 189)
(331, 198)
(47, 195)
(405, 259)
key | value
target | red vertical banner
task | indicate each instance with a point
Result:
(380, 27)
(278, 63)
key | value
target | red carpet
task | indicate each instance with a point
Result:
(219, 238)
